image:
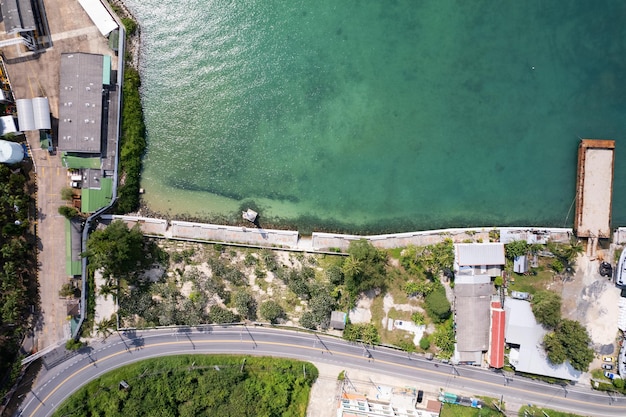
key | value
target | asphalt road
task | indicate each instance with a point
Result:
(57, 384)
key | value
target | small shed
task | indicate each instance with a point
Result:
(520, 264)
(338, 320)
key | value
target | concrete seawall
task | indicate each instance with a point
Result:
(332, 242)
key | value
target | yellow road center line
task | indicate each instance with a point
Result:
(91, 364)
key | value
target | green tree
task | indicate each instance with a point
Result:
(516, 248)
(498, 281)
(321, 305)
(443, 338)
(618, 383)
(364, 332)
(271, 311)
(425, 342)
(546, 306)
(119, 251)
(67, 193)
(221, 315)
(437, 305)
(245, 304)
(73, 344)
(105, 326)
(554, 349)
(569, 341)
(365, 267)
(67, 290)
(68, 212)
(308, 321)
(576, 342)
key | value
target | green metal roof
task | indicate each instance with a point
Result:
(77, 162)
(92, 199)
(106, 70)
(73, 268)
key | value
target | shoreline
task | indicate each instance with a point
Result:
(304, 223)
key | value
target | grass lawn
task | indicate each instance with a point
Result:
(533, 283)
(179, 385)
(539, 412)
(451, 410)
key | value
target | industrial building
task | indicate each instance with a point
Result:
(80, 102)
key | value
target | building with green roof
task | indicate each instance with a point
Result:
(93, 199)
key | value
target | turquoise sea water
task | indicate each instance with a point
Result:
(379, 115)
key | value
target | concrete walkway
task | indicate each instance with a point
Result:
(325, 242)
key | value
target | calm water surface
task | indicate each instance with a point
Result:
(379, 115)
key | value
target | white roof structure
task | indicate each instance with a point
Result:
(33, 114)
(7, 125)
(25, 116)
(522, 329)
(476, 254)
(621, 320)
(99, 15)
(41, 113)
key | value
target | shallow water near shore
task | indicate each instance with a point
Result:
(379, 116)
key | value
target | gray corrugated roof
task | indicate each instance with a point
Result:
(80, 103)
(472, 254)
(522, 329)
(472, 322)
(17, 15)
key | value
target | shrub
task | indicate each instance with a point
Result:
(73, 344)
(418, 318)
(221, 315)
(68, 212)
(437, 305)
(271, 311)
(67, 193)
(425, 343)
(245, 305)
(130, 25)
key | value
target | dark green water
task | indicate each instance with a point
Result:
(379, 115)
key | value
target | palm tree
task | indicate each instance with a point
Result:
(104, 326)
(352, 267)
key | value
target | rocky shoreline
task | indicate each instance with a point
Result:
(133, 42)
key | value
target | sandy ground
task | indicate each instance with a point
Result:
(105, 304)
(593, 301)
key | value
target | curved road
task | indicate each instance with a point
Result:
(55, 385)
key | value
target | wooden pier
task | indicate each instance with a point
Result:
(594, 189)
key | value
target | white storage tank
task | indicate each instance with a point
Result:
(10, 152)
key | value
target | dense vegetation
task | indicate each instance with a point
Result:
(132, 144)
(194, 385)
(568, 339)
(121, 253)
(546, 307)
(17, 268)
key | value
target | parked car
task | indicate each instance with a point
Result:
(606, 270)
(612, 375)
(607, 366)
(420, 396)
(607, 359)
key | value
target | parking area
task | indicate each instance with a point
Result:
(37, 75)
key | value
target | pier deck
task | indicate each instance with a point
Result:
(594, 188)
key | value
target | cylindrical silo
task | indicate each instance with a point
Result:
(10, 152)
